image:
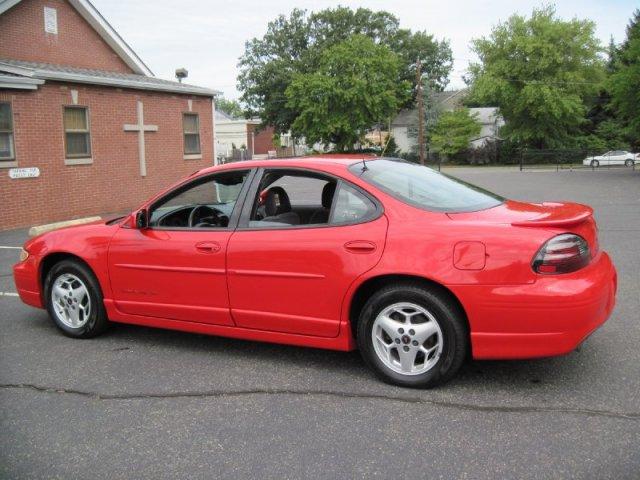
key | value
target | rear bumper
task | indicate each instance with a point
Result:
(25, 275)
(550, 317)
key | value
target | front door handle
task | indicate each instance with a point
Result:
(208, 247)
(360, 246)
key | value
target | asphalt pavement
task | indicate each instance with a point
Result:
(144, 403)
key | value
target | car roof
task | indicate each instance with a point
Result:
(313, 161)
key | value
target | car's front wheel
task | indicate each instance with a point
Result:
(629, 163)
(74, 300)
(412, 336)
(595, 163)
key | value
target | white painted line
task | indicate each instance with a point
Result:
(12, 248)
(8, 294)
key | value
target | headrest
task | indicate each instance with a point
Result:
(276, 202)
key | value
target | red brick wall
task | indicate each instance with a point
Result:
(113, 182)
(262, 139)
(22, 37)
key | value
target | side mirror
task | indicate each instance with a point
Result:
(142, 220)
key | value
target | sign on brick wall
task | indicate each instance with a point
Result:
(30, 172)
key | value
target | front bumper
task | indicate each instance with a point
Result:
(25, 275)
(552, 316)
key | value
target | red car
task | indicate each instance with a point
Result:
(414, 268)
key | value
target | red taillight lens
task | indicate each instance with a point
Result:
(562, 254)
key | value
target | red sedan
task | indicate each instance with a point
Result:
(414, 268)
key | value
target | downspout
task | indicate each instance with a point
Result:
(213, 130)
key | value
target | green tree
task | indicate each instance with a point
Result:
(354, 86)
(230, 107)
(296, 45)
(599, 106)
(624, 83)
(390, 149)
(453, 131)
(539, 71)
(608, 135)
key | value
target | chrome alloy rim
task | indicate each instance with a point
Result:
(70, 300)
(407, 338)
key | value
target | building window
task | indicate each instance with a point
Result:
(50, 20)
(7, 151)
(77, 139)
(191, 129)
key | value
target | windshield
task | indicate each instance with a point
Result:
(425, 188)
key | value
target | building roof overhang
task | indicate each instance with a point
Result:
(19, 83)
(43, 71)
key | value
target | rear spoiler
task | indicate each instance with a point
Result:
(564, 215)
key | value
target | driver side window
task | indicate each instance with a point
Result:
(207, 202)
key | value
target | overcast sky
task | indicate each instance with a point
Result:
(207, 37)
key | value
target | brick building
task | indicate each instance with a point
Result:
(85, 127)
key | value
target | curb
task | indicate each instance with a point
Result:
(37, 230)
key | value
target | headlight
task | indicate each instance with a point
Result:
(23, 255)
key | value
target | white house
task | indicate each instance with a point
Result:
(230, 133)
(244, 139)
(491, 122)
(404, 127)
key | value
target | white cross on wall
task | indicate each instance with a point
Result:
(140, 127)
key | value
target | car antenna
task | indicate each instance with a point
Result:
(364, 165)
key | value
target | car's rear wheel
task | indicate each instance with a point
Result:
(628, 163)
(74, 300)
(412, 336)
(595, 163)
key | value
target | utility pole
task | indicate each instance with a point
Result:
(420, 111)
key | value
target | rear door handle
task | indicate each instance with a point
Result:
(208, 247)
(360, 246)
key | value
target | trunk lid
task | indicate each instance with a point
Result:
(521, 214)
(559, 217)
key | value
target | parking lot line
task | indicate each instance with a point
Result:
(11, 248)
(8, 294)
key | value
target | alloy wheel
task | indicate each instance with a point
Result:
(70, 300)
(407, 338)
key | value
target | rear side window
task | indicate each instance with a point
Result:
(351, 206)
(425, 188)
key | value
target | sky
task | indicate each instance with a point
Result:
(208, 37)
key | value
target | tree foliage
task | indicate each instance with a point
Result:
(453, 131)
(230, 107)
(607, 136)
(624, 83)
(538, 71)
(296, 45)
(354, 86)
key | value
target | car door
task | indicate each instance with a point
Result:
(289, 277)
(176, 269)
(617, 158)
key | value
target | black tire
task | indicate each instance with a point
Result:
(628, 163)
(595, 163)
(97, 319)
(449, 317)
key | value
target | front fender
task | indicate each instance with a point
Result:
(89, 243)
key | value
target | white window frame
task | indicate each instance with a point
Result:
(12, 161)
(191, 155)
(78, 159)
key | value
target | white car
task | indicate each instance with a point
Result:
(614, 157)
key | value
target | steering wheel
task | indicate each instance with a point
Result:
(213, 217)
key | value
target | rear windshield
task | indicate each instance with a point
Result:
(423, 187)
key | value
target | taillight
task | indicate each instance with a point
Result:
(562, 254)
